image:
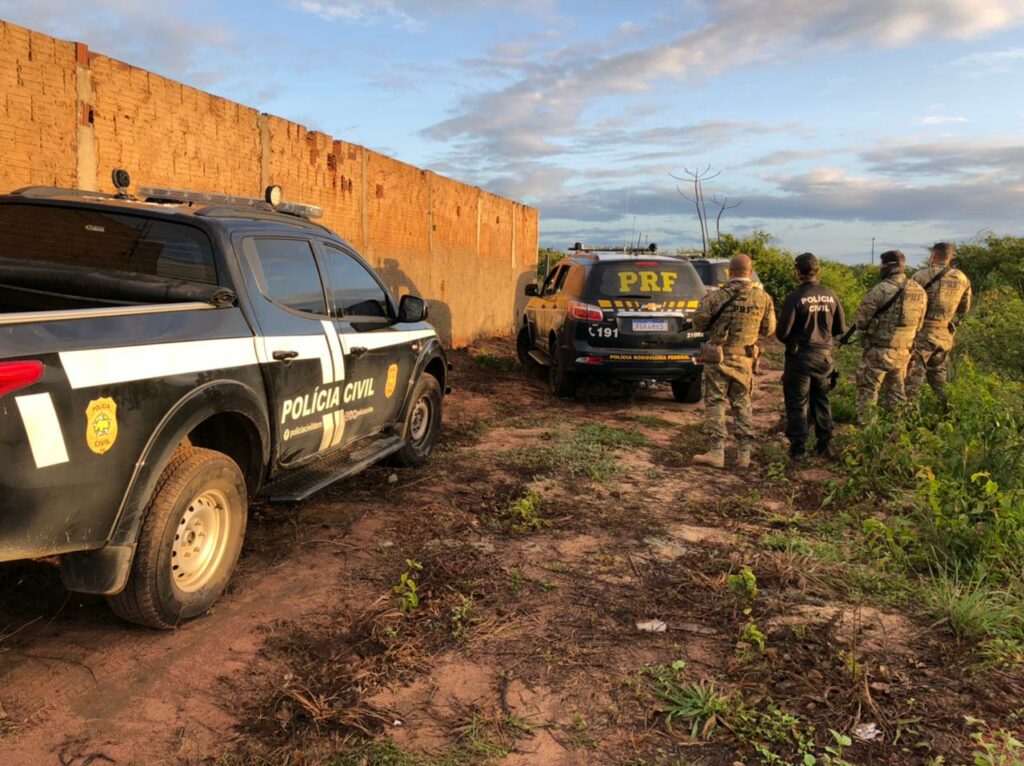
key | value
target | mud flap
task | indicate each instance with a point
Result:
(103, 571)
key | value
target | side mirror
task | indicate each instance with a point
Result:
(531, 290)
(412, 309)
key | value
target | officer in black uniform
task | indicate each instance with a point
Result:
(811, 317)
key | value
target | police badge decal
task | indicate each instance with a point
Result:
(101, 424)
(392, 381)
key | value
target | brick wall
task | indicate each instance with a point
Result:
(69, 116)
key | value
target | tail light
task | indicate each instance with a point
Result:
(585, 311)
(15, 375)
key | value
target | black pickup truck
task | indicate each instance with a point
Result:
(168, 356)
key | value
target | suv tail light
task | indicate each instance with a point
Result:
(15, 375)
(585, 311)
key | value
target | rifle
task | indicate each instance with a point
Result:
(882, 309)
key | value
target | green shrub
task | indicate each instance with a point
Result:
(991, 262)
(993, 333)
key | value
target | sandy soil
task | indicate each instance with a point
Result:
(524, 648)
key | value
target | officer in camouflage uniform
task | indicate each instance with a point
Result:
(888, 320)
(747, 316)
(949, 296)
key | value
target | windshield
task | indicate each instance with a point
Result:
(645, 280)
(90, 241)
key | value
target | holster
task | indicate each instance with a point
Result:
(711, 353)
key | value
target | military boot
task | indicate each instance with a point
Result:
(743, 457)
(713, 457)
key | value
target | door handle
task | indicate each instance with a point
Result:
(358, 350)
(285, 356)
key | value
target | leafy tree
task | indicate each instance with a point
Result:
(991, 261)
(547, 257)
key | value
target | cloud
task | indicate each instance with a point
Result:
(408, 14)
(154, 34)
(991, 62)
(548, 100)
(825, 193)
(941, 119)
(946, 159)
(787, 157)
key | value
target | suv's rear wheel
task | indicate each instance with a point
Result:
(189, 543)
(688, 391)
(561, 381)
(422, 424)
(523, 345)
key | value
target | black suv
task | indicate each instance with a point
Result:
(714, 272)
(615, 312)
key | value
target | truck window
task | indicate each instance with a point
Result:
(662, 280)
(574, 281)
(355, 292)
(287, 274)
(554, 280)
(95, 240)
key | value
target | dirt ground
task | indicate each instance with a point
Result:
(538, 537)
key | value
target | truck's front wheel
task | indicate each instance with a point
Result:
(422, 423)
(190, 540)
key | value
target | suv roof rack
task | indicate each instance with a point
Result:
(46, 192)
(168, 195)
(252, 213)
(579, 247)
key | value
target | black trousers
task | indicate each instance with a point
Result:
(805, 382)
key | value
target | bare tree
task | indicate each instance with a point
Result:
(697, 177)
(723, 205)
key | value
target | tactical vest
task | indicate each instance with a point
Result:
(944, 295)
(898, 326)
(738, 328)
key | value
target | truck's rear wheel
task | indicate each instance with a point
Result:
(560, 380)
(422, 424)
(523, 345)
(687, 391)
(190, 540)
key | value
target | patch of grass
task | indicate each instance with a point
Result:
(382, 752)
(496, 363)
(698, 704)
(653, 421)
(974, 609)
(775, 736)
(994, 747)
(786, 541)
(490, 736)
(587, 450)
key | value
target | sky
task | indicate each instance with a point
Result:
(829, 122)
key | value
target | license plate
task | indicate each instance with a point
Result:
(650, 325)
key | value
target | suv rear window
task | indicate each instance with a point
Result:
(95, 240)
(645, 279)
(712, 274)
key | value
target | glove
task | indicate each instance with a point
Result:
(833, 379)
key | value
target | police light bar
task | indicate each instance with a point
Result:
(166, 194)
(579, 247)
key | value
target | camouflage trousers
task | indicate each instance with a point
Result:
(730, 382)
(881, 368)
(929, 360)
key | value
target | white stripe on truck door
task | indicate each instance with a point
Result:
(107, 366)
(44, 434)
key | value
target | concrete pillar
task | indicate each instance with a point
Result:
(85, 155)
